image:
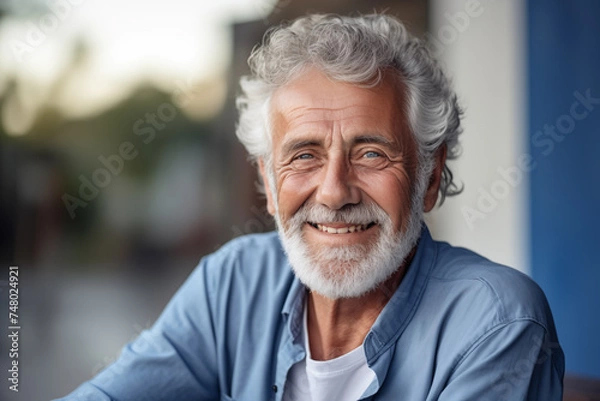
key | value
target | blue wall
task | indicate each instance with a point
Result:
(564, 67)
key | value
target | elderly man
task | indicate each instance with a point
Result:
(351, 122)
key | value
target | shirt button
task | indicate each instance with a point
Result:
(274, 388)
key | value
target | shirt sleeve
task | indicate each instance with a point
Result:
(513, 361)
(174, 360)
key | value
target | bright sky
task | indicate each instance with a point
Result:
(131, 41)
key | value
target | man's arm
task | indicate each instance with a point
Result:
(175, 360)
(514, 361)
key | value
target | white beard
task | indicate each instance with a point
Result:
(350, 271)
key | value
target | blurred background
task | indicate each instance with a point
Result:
(120, 169)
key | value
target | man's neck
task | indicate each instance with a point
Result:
(337, 326)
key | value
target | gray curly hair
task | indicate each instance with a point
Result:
(354, 50)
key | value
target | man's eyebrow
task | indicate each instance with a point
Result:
(294, 145)
(376, 139)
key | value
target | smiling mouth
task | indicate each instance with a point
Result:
(342, 230)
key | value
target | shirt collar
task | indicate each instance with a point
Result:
(293, 307)
(400, 309)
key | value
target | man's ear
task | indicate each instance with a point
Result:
(266, 183)
(431, 195)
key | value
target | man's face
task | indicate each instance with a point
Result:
(343, 180)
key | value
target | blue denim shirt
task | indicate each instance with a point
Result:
(458, 327)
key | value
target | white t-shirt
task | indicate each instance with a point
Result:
(344, 378)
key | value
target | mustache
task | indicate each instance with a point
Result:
(361, 213)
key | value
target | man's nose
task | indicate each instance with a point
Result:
(337, 187)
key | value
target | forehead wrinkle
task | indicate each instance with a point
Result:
(325, 113)
(303, 120)
(296, 137)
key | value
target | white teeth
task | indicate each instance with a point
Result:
(342, 230)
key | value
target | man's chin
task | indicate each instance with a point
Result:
(336, 289)
(336, 279)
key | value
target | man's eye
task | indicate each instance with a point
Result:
(371, 154)
(304, 156)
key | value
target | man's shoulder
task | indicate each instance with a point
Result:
(498, 291)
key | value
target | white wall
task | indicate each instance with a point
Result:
(482, 45)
